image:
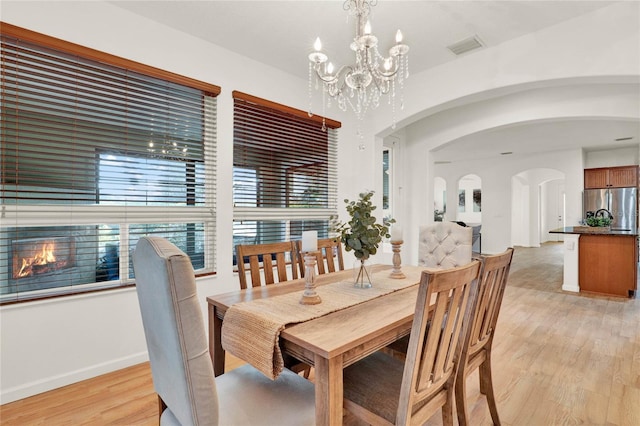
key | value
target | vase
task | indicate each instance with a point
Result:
(362, 273)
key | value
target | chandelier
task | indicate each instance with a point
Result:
(362, 84)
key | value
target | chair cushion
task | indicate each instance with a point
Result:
(248, 397)
(444, 245)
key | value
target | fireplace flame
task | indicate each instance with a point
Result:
(43, 258)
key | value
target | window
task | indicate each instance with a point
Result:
(97, 151)
(284, 172)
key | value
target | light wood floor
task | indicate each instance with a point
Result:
(559, 359)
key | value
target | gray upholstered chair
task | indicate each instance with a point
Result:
(444, 245)
(181, 367)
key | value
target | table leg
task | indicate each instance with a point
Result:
(215, 341)
(328, 374)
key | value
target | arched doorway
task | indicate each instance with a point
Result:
(537, 206)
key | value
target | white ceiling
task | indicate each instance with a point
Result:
(281, 34)
(529, 138)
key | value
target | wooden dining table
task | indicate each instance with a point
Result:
(328, 343)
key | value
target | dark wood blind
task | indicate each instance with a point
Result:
(285, 171)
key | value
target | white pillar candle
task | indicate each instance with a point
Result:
(396, 233)
(309, 241)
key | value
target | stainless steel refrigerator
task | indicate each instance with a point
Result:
(620, 202)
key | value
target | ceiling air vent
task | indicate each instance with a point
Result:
(466, 45)
(628, 138)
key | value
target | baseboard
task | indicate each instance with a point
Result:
(572, 288)
(33, 388)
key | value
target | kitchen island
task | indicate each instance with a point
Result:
(600, 260)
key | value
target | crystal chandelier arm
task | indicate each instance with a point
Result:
(380, 77)
(334, 77)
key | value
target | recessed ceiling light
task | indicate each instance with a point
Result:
(442, 162)
(627, 138)
(506, 153)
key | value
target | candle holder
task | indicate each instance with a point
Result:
(397, 271)
(309, 296)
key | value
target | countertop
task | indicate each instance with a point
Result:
(591, 230)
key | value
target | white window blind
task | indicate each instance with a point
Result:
(95, 154)
(285, 171)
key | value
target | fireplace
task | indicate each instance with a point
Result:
(39, 258)
(34, 257)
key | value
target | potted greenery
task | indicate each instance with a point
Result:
(598, 221)
(362, 234)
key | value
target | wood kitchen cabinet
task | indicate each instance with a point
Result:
(608, 264)
(611, 177)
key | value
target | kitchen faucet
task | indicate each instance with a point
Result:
(609, 215)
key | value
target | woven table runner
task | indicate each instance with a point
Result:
(250, 330)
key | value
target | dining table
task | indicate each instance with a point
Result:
(332, 341)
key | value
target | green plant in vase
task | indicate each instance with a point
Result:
(362, 234)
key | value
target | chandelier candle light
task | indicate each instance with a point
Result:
(362, 84)
(309, 249)
(396, 243)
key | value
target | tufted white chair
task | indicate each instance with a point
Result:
(444, 245)
(181, 367)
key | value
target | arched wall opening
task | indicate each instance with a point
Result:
(537, 206)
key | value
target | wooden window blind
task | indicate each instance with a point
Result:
(284, 171)
(96, 152)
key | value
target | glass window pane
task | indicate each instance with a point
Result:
(188, 237)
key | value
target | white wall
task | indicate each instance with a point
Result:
(528, 80)
(55, 342)
(519, 211)
(501, 204)
(612, 157)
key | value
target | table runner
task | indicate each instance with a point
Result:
(251, 330)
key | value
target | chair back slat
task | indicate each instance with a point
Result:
(282, 256)
(328, 257)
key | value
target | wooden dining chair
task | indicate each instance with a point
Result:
(381, 389)
(476, 351)
(181, 368)
(441, 245)
(328, 257)
(276, 262)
